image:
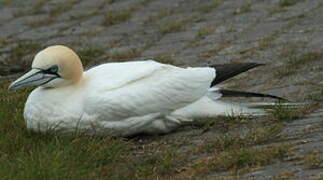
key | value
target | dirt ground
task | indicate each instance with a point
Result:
(286, 35)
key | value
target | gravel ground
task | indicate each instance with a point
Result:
(287, 35)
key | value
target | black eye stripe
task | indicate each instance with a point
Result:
(52, 70)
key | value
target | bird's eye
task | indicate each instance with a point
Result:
(53, 69)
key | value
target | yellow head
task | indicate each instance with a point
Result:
(55, 66)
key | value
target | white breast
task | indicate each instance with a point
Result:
(53, 108)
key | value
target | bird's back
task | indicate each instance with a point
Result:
(122, 90)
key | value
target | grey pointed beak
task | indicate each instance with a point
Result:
(35, 77)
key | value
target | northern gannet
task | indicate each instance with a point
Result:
(123, 99)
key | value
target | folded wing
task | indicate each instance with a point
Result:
(147, 88)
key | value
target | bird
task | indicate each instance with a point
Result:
(125, 98)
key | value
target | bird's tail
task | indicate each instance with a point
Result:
(207, 107)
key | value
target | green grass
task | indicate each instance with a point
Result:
(243, 159)
(280, 112)
(4, 42)
(204, 31)
(224, 121)
(284, 3)
(48, 156)
(246, 157)
(28, 155)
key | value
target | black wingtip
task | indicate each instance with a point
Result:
(231, 93)
(226, 71)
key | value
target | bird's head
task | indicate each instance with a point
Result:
(55, 66)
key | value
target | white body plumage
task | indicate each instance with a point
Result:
(118, 96)
(125, 99)
(119, 99)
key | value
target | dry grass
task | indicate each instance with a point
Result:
(247, 7)
(275, 10)
(210, 6)
(90, 55)
(166, 59)
(295, 61)
(204, 31)
(285, 175)
(115, 17)
(42, 21)
(124, 55)
(313, 159)
(160, 15)
(317, 177)
(6, 2)
(174, 26)
(121, 15)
